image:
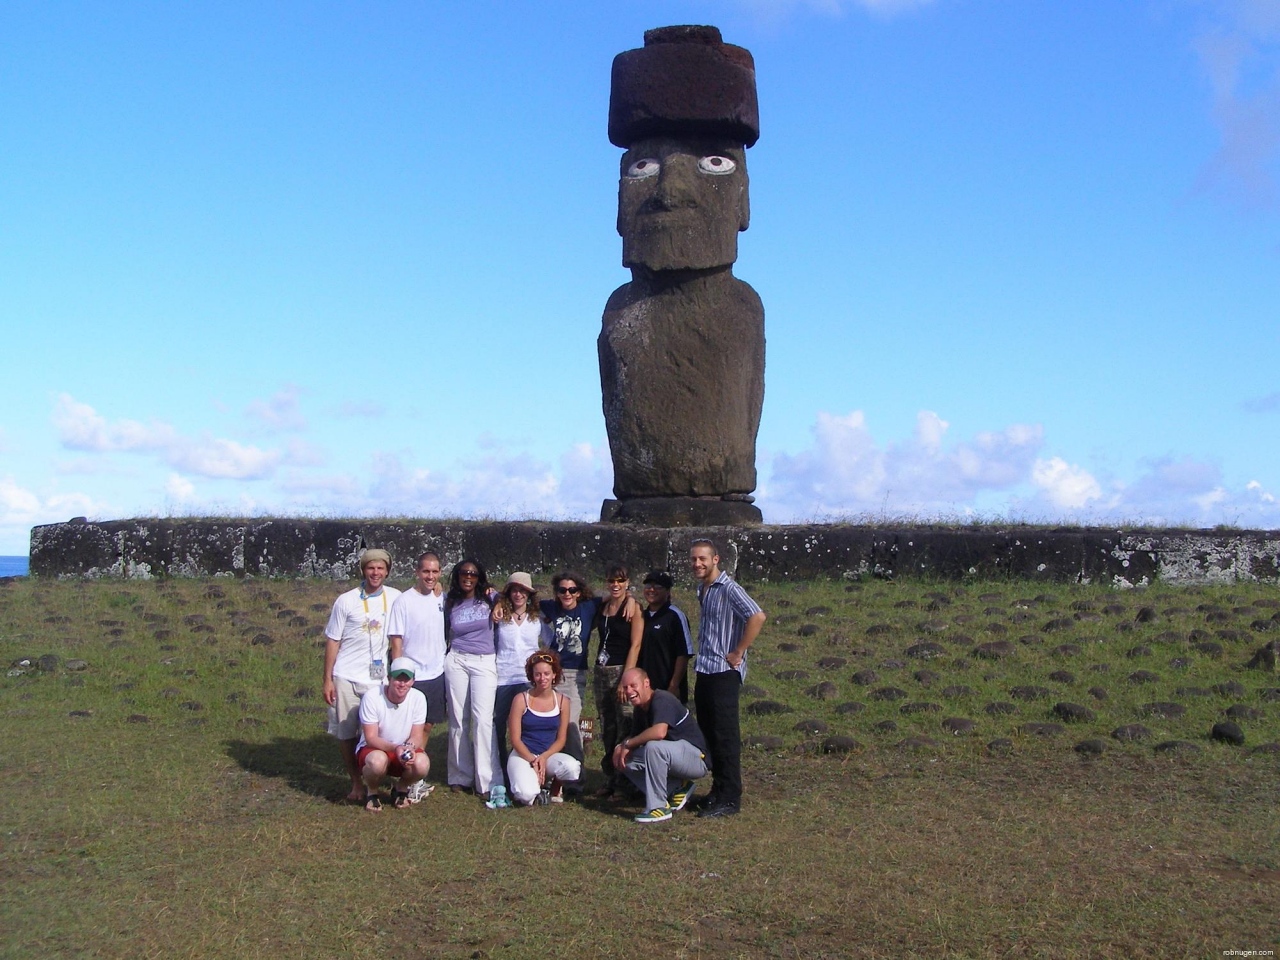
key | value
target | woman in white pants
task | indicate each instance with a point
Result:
(471, 679)
(537, 727)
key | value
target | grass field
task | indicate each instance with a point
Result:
(175, 795)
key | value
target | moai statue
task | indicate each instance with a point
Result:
(682, 349)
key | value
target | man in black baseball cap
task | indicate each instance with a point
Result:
(666, 647)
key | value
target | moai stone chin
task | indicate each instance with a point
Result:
(682, 344)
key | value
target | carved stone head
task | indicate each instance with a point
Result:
(684, 107)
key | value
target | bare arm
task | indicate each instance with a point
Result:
(373, 738)
(397, 645)
(418, 736)
(636, 619)
(749, 634)
(330, 658)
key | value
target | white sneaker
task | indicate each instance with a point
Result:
(420, 791)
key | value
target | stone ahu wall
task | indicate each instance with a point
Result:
(328, 548)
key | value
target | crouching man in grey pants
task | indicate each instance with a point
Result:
(665, 752)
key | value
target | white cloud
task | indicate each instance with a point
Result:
(845, 473)
(279, 413)
(179, 489)
(17, 504)
(1066, 486)
(81, 427)
(223, 459)
(21, 509)
(499, 482)
(1181, 492)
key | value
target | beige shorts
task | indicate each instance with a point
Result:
(344, 715)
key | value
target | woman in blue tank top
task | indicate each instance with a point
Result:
(538, 726)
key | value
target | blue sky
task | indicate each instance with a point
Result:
(1018, 259)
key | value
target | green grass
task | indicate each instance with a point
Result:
(213, 829)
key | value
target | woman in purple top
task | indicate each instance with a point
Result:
(471, 679)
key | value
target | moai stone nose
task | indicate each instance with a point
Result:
(676, 188)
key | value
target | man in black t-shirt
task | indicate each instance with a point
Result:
(665, 647)
(665, 752)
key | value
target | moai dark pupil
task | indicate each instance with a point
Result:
(682, 346)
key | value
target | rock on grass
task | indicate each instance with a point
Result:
(1073, 713)
(959, 726)
(840, 744)
(1227, 731)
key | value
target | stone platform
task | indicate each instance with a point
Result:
(328, 548)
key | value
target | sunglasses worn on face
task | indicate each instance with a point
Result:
(467, 573)
(616, 580)
(567, 590)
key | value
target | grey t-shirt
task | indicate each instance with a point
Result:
(666, 708)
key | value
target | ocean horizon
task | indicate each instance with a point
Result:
(14, 566)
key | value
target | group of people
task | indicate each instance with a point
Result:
(510, 672)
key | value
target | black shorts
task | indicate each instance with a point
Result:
(433, 690)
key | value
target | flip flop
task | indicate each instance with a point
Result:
(373, 803)
(400, 799)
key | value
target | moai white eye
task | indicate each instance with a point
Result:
(647, 167)
(717, 166)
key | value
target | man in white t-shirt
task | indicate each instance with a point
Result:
(355, 656)
(416, 631)
(391, 737)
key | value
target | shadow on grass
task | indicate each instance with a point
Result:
(312, 765)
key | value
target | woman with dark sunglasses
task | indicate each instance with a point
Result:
(471, 679)
(568, 620)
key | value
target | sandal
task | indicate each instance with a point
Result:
(400, 799)
(373, 803)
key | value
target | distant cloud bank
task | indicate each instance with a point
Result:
(842, 474)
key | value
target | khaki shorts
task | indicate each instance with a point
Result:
(344, 715)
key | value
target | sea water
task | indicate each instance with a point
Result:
(14, 566)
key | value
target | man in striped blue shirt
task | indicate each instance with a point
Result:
(729, 624)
